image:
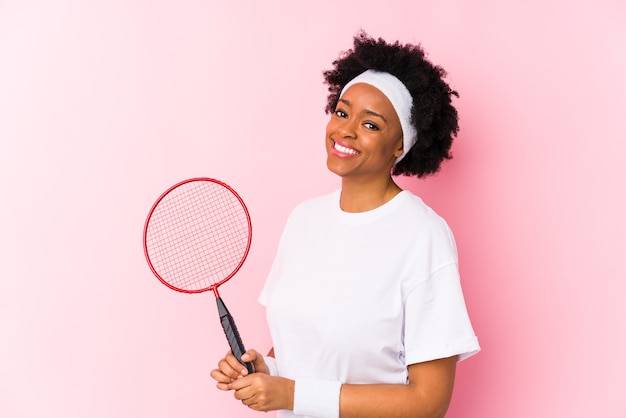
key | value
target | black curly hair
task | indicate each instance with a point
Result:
(433, 115)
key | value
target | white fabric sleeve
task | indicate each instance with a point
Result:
(437, 322)
(317, 398)
(269, 280)
(271, 364)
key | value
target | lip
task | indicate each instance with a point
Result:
(341, 154)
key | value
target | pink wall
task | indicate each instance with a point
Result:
(103, 104)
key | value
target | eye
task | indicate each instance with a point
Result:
(371, 126)
(340, 113)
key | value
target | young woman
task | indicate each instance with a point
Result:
(363, 301)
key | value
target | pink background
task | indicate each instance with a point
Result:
(104, 104)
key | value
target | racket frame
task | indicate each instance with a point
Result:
(213, 286)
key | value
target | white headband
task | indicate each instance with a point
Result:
(400, 99)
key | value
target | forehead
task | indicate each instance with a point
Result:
(367, 97)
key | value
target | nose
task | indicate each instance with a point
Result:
(347, 128)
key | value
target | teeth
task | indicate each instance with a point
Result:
(345, 150)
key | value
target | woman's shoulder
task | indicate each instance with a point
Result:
(423, 221)
(421, 211)
(316, 204)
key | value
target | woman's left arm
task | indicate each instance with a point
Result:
(427, 395)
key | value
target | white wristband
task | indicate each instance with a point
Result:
(271, 364)
(317, 398)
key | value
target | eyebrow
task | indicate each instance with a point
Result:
(366, 111)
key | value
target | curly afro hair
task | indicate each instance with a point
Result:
(433, 115)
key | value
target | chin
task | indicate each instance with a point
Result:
(332, 167)
(337, 169)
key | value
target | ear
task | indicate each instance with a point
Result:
(400, 150)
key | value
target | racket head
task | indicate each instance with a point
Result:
(197, 235)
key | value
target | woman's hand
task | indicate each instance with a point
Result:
(259, 391)
(263, 392)
(229, 368)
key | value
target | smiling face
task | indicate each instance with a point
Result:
(363, 136)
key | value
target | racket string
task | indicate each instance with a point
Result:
(197, 235)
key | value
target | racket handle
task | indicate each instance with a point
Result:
(232, 335)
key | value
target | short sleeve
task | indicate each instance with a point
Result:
(271, 277)
(268, 282)
(437, 324)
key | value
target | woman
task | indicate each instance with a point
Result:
(363, 301)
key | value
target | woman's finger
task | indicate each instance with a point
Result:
(237, 368)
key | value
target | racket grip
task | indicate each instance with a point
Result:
(232, 334)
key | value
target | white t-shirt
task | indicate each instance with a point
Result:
(357, 297)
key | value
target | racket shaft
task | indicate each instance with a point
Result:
(232, 334)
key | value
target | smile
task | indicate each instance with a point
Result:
(344, 150)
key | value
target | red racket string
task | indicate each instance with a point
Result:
(197, 235)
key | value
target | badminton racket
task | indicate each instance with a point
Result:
(196, 237)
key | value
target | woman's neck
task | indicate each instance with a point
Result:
(361, 197)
